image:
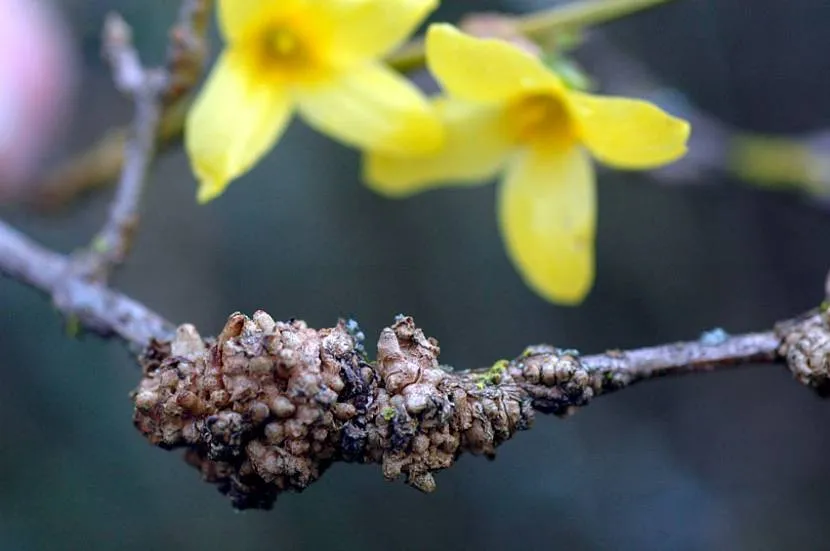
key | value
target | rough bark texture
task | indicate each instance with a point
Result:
(805, 344)
(267, 406)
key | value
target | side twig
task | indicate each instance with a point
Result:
(110, 246)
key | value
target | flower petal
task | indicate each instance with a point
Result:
(547, 212)
(474, 149)
(628, 133)
(373, 108)
(483, 69)
(235, 120)
(369, 29)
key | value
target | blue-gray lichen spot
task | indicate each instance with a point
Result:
(714, 337)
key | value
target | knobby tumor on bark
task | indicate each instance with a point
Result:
(805, 345)
(267, 406)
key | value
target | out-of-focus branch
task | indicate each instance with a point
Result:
(578, 15)
(540, 24)
(795, 162)
(100, 164)
(110, 246)
(187, 51)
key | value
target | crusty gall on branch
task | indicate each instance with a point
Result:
(267, 406)
(805, 345)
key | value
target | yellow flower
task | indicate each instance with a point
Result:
(319, 57)
(505, 110)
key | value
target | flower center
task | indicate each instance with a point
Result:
(285, 47)
(539, 117)
(293, 49)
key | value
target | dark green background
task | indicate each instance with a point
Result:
(725, 461)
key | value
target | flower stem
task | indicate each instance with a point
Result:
(583, 13)
(577, 14)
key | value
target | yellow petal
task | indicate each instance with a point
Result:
(483, 69)
(374, 108)
(547, 213)
(235, 120)
(628, 133)
(369, 29)
(474, 149)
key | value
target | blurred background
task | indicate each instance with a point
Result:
(733, 460)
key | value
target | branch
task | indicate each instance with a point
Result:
(110, 246)
(267, 406)
(715, 350)
(539, 25)
(187, 52)
(94, 307)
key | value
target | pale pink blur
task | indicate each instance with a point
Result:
(38, 71)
